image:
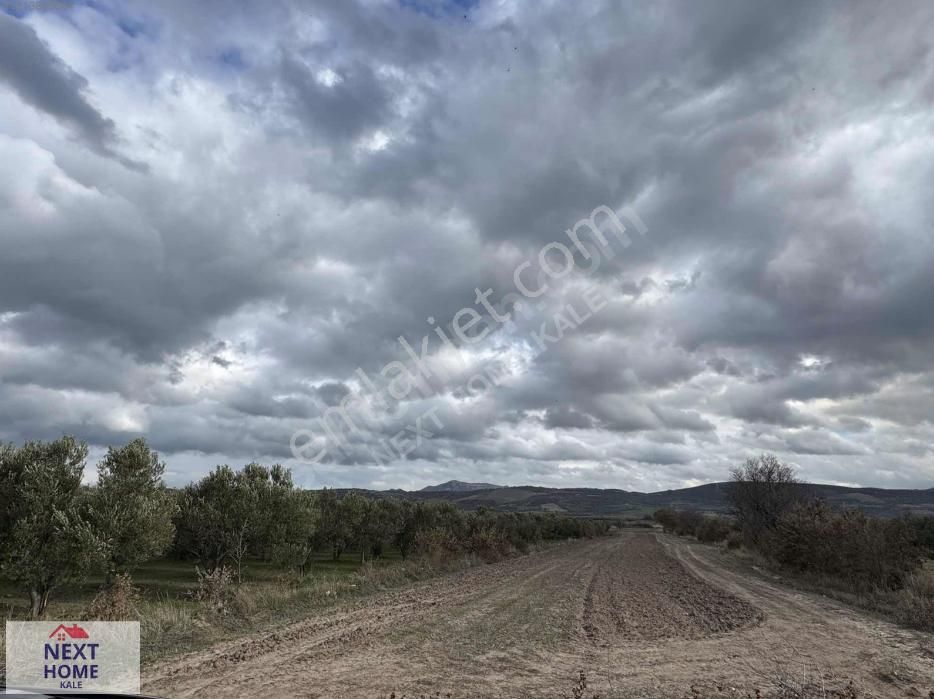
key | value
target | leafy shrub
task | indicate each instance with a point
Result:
(680, 522)
(667, 517)
(489, 544)
(866, 552)
(688, 523)
(713, 530)
(437, 545)
(923, 532)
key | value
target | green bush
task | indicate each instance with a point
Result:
(489, 543)
(923, 532)
(713, 530)
(690, 523)
(437, 545)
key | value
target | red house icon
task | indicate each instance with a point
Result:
(73, 631)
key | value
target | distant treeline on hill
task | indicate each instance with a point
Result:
(711, 497)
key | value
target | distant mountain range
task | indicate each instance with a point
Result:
(595, 502)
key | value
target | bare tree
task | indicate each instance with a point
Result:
(761, 491)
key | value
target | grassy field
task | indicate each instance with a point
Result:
(172, 579)
(174, 621)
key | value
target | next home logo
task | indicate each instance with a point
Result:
(71, 657)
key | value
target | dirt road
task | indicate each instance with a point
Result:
(641, 615)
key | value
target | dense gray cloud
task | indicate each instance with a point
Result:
(42, 80)
(321, 179)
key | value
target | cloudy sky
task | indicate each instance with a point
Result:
(213, 213)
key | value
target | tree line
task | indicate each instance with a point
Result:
(54, 530)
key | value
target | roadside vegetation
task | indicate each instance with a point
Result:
(227, 553)
(880, 563)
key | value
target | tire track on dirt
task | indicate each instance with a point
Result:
(812, 633)
(347, 631)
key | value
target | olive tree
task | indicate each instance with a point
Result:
(214, 519)
(334, 529)
(352, 512)
(294, 529)
(46, 536)
(132, 509)
(379, 527)
(229, 516)
(266, 497)
(413, 518)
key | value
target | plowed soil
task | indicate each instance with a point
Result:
(640, 615)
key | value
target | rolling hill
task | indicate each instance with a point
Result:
(595, 502)
(458, 487)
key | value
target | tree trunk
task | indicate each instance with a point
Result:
(240, 553)
(38, 601)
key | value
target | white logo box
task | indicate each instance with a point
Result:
(73, 656)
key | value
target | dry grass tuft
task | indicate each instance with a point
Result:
(117, 602)
(913, 605)
(216, 589)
